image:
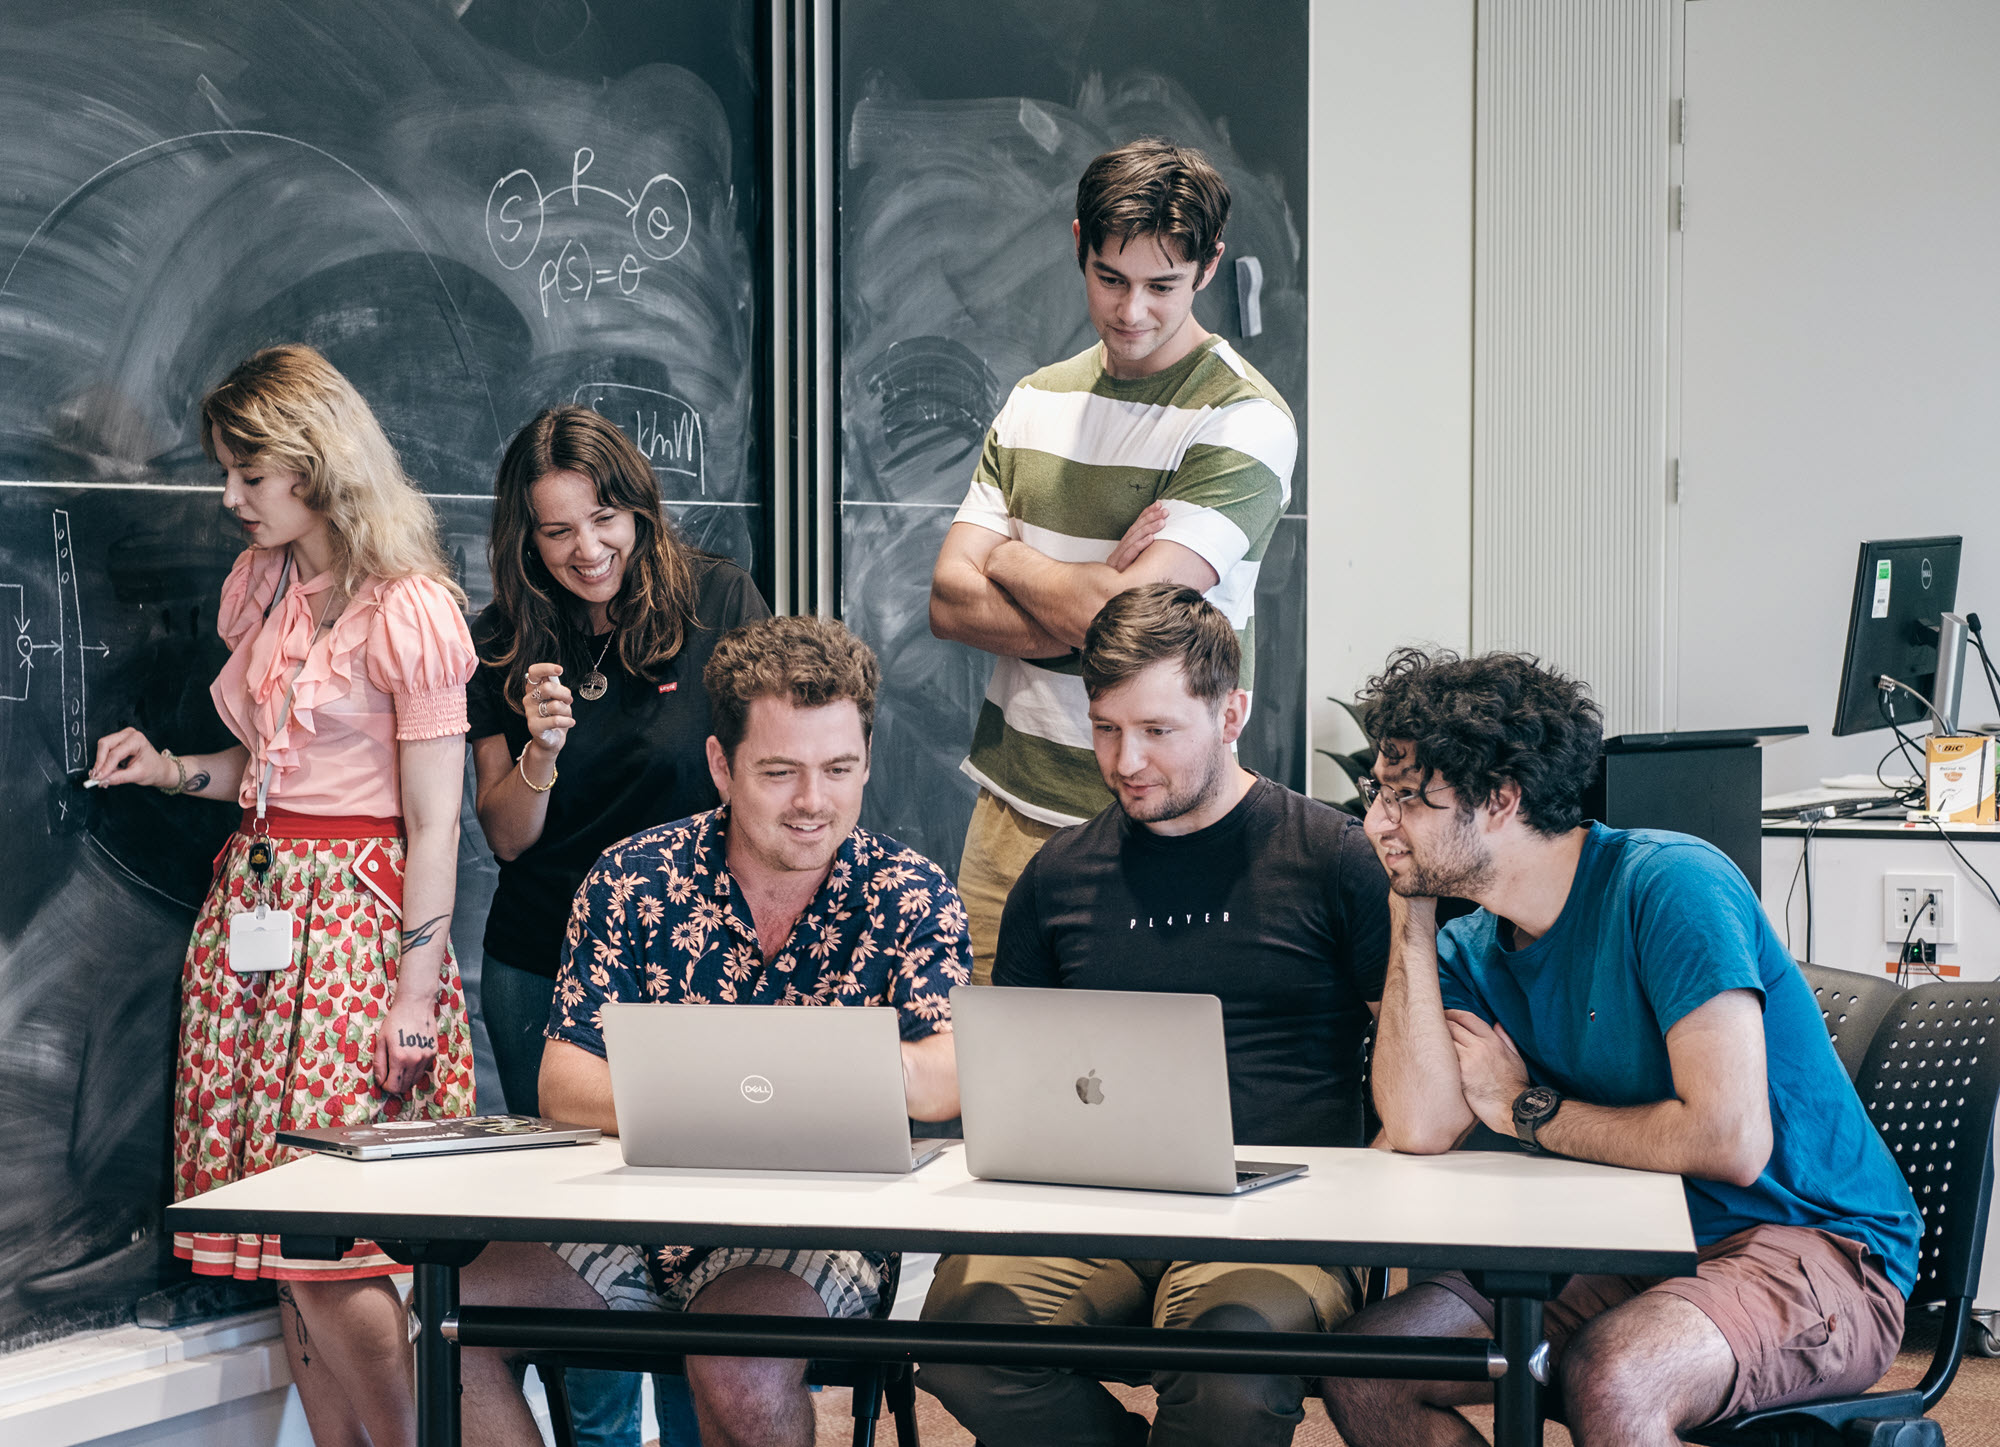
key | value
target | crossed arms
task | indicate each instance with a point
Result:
(1003, 596)
(1436, 1072)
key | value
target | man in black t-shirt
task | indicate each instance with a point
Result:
(1202, 878)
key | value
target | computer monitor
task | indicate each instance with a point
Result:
(1904, 593)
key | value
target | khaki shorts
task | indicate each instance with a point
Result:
(999, 842)
(1806, 1313)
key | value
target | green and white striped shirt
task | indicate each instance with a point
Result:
(1072, 460)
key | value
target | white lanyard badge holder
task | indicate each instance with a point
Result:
(260, 939)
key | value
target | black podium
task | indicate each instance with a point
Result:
(1709, 784)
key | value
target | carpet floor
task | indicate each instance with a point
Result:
(1969, 1413)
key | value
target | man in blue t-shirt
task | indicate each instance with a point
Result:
(1619, 997)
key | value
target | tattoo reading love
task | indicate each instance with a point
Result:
(410, 1040)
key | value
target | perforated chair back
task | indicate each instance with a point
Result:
(1852, 1006)
(1930, 1082)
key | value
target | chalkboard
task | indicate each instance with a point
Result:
(962, 138)
(475, 210)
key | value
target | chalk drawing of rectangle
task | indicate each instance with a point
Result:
(666, 430)
(69, 614)
(14, 654)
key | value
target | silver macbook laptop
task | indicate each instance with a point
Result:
(1099, 1088)
(761, 1088)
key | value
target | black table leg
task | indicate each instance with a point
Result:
(437, 1359)
(1517, 1401)
(1517, 1298)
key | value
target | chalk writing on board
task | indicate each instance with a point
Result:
(18, 665)
(173, 146)
(666, 430)
(517, 222)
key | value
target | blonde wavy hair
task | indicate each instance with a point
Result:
(290, 409)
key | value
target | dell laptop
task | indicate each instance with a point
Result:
(761, 1088)
(1099, 1088)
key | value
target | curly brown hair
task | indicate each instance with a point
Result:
(810, 662)
(1478, 723)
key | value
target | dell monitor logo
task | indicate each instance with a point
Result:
(757, 1090)
(1089, 1089)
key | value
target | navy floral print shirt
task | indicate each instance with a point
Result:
(660, 919)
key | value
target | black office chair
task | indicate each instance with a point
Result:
(872, 1382)
(1930, 1083)
(1852, 1006)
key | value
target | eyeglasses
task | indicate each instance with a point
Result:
(1393, 801)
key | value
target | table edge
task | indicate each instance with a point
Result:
(389, 1225)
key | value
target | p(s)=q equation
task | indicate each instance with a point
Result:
(517, 218)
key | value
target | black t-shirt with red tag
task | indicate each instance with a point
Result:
(1280, 909)
(636, 757)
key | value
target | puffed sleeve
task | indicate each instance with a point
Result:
(420, 653)
(244, 594)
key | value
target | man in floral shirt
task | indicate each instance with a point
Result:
(776, 898)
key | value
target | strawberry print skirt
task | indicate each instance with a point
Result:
(295, 1048)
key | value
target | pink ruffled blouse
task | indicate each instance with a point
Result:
(392, 667)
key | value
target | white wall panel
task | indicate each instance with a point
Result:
(1389, 324)
(1570, 342)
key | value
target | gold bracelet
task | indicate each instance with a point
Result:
(180, 769)
(521, 768)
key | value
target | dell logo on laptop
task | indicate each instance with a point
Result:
(1089, 1089)
(757, 1090)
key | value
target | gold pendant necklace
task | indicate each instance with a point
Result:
(594, 682)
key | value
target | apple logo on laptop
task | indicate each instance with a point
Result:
(757, 1090)
(1089, 1089)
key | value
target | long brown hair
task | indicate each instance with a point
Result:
(289, 408)
(655, 604)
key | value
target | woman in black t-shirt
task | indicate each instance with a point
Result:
(589, 721)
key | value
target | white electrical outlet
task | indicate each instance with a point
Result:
(1920, 907)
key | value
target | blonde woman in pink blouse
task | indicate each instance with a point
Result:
(349, 656)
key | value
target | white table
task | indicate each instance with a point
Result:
(1522, 1221)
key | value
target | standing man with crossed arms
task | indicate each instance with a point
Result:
(1158, 455)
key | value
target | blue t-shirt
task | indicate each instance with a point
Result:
(1656, 925)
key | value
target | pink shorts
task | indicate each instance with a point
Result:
(1807, 1314)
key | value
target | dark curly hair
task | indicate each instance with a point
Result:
(1480, 723)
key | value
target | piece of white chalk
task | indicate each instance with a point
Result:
(551, 738)
(94, 784)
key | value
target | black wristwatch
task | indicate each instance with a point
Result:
(1532, 1109)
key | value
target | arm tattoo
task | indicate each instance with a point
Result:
(197, 781)
(424, 933)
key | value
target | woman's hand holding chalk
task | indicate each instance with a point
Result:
(548, 705)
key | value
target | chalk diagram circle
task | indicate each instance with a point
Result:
(757, 1090)
(662, 218)
(507, 229)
